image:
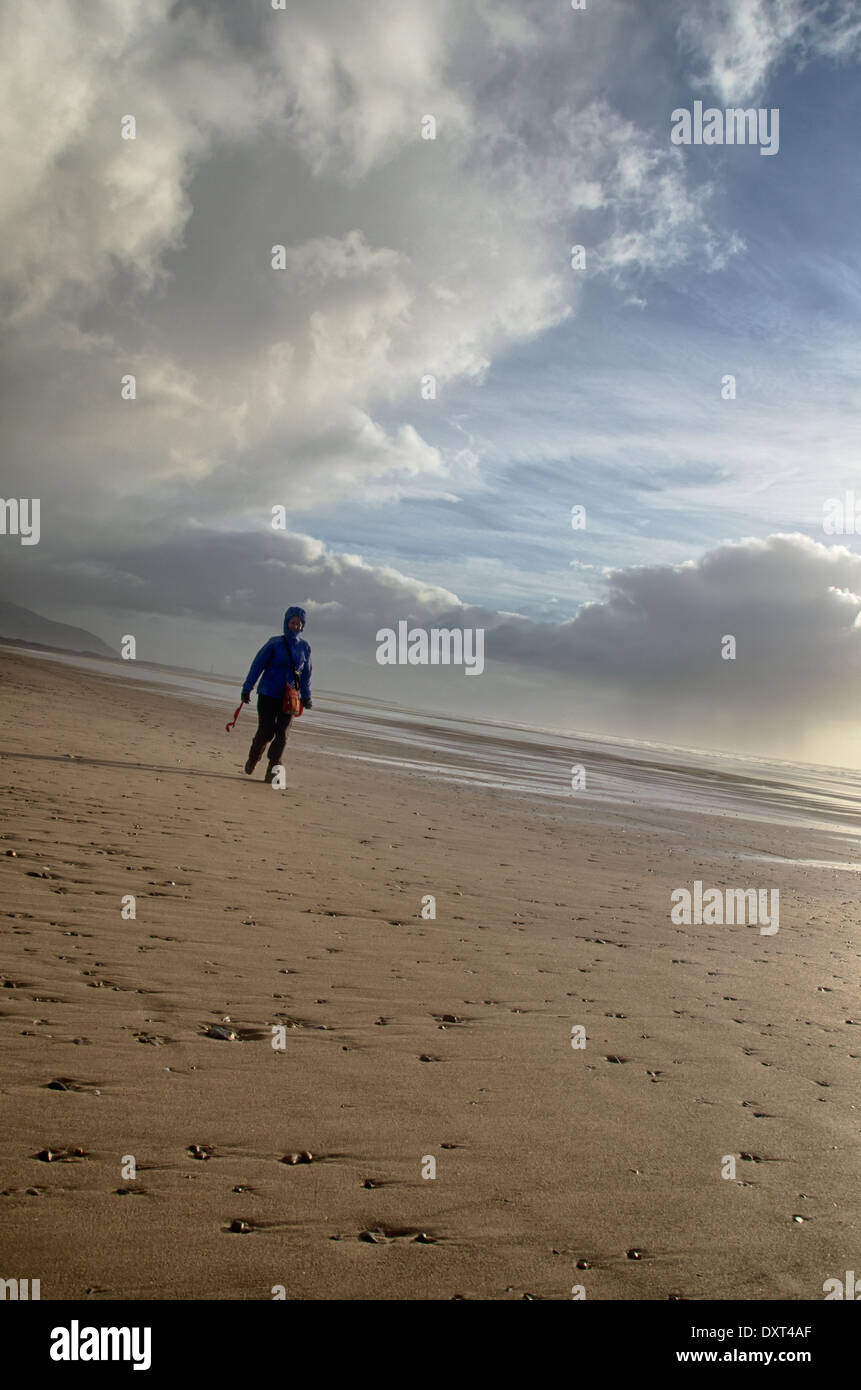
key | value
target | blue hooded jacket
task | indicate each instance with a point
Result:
(272, 664)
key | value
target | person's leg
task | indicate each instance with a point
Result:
(267, 716)
(276, 747)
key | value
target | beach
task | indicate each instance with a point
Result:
(406, 1038)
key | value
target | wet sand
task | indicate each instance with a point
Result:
(405, 1039)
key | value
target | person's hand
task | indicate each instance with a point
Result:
(306, 704)
(246, 697)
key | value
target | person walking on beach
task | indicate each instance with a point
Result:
(283, 661)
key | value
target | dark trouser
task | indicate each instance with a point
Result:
(272, 723)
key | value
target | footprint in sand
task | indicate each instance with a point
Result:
(244, 1226)
(68, 1083)
(383, 1236)
(221, 1033)
(58, 1155)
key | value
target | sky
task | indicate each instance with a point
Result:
(600, 385)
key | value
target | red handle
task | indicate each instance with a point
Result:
(229, 726)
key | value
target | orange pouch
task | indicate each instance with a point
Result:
(292, 703)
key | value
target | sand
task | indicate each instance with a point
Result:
(405, 1039)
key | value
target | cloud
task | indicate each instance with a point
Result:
(405, 257)
(657, 219)
(359, 81)
(741, 43)
(244, 576)
(654, 645)
(80, 203)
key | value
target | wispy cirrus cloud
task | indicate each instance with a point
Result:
(738, 44)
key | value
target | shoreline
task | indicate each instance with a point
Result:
(475, 754)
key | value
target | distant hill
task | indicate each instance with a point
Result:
(22, 625)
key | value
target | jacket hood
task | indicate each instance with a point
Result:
(293, 613)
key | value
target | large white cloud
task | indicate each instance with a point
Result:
(301, 128)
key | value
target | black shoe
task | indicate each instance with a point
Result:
(250, 766)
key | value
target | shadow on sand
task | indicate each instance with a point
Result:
(66, 761)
